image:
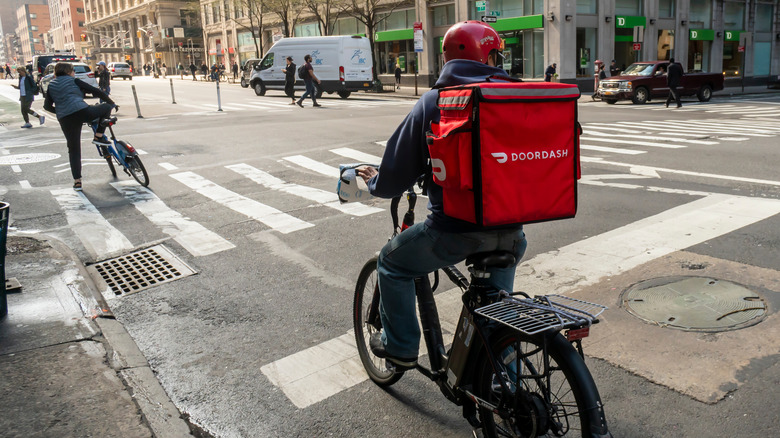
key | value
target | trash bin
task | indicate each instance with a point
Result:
(3, 237)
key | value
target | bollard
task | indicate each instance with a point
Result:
(137, 107)
(4, 217)
(173, 97)
(219, 98)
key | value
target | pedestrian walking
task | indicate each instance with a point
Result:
(204, 69)
(235, 71)
(180, 68)
(397, 77)
(65, 97)
(164, 70)
(550, 72)
(289, 79)
(193, 69)
(104, 78)
(613, 69)
(602, 74)
(27, 91)
(674, 73)
(309, 78)
(8, 72)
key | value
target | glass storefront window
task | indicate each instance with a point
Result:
(396, 52)
(665, 44)
(397, 20)
(443, 15)
(764, 14)
(733, 15)
(698, 56)
(587, 6)
(508, 8)
(665, 9)
(347, 26)
(762, 53)
(624, 48)
(307, 30)
(628, 7)
(700, 14)
(586, 51)
(732, 58)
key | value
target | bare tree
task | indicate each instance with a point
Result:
(371, 13)
(253, 11)
(288, 11)
(324, 12)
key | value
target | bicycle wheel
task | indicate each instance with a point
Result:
(137, 169)
(562, 403)
(109, 160)
(364, 295)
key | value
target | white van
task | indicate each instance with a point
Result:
(342, 63)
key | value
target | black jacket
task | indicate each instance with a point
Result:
(289, 75)
(673, 74)
(104, 79)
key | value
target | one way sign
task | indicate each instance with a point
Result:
(489, 18)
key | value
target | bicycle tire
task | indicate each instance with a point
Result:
(137, 169)
(376, 368)
(109, 160)
(573, 393)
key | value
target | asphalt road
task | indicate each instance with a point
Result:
(257, 343)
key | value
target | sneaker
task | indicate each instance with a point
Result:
(77, 186)
(102, 142)
(292, 103)
(378, 348)
(299, 104)
(317, 105)
(42, 119)
(27, 125)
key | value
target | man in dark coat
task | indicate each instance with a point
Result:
(193, 69)
(674, 73)
(550, 72)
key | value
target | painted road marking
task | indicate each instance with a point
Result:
(167, 166)
(612, 150)
(326, 198)
(99, 237)
(650, 137)
(25, 184)
(636, 142)
(192, 236)
(357, 155)
(324, 370)
(277, 220)
(308, 163)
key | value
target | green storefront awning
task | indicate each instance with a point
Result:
(701, 35)
(628, 22)
(394, 35)
(519, 23)
(731, 35)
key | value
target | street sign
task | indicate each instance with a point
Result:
(103, 41)
(639, 34)
(489, 18)
(480, 6)
(637, 46)
(418, 36)
(741, 49)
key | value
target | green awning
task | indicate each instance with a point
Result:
(701, 35)
(731, 35)
(519, 23)
(628, 22)
(394, 35)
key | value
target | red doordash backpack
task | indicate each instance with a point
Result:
(507, 152)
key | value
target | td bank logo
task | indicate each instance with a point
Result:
(621, 21)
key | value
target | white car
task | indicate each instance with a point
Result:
(83, 72)
(120, 70)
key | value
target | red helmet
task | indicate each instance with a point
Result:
(470, 40)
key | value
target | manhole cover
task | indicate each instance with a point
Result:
(694, 304)
(140, 270)
(27, 158)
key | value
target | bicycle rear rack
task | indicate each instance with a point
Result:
(532, 316)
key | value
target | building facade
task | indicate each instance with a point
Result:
(72, 19)
(143, 31)
(735, 37)
(32, 24)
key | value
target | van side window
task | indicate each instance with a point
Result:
(268, 61)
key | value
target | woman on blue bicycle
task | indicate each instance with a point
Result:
(65, 97)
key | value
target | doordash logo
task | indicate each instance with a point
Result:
(503, 157)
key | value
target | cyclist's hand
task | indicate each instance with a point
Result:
(366, 172)
(116, 108)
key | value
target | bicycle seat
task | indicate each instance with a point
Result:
(492, 259)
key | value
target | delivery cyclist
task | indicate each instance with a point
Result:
(471, 51)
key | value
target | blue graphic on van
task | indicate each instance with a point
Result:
(315, 58)
(358, 57)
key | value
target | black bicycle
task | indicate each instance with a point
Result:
(120, 152)
(516, 364)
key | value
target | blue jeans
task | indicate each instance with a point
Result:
(310, 91)
(418, 251)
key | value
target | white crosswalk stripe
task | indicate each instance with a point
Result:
(357, 155)
(316, 166)
(277, 220)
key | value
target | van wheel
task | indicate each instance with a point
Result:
(260, 89)
(243, 83)
(344, 94)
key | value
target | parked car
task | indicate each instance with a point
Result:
(641, 82)
(247, 70)
(39, 62)
(120, 70)
(342, 63)
(83, 72)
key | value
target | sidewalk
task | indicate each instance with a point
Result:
(67, 368)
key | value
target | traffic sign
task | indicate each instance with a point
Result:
(489, 18)
(480, 6)
(103, 41)
(637, 46)
(741, 49)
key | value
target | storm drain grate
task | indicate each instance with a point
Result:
(140, 270)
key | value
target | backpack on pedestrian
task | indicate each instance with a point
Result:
(303, 72)
(507, 153)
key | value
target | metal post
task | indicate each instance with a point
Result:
(137, 107)
(417, 59)
(219, 98)
(173, 97)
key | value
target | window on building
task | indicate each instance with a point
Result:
(587, 7)
(444, 15)
(764, 14)
(666, 9)
(700, 14)
(347, 26)
(734, 15)
(33, 27)
(79, 10)
(396, 20)
(33, 16)
(628, 7)
(307, 30)
(586, 51)
(81, 24)
(215, 13)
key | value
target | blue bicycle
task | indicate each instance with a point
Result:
(121, 152)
